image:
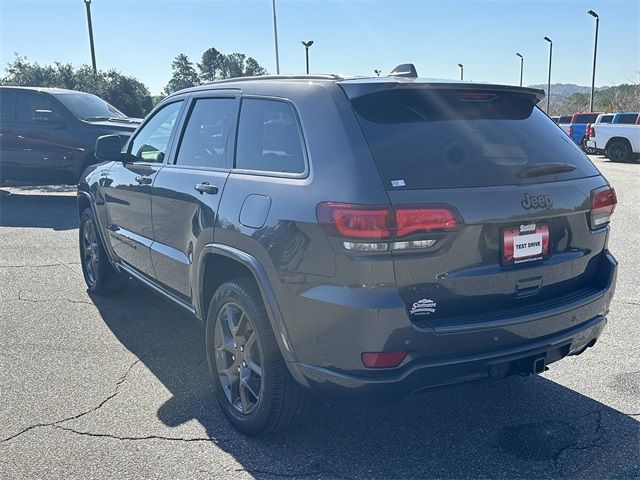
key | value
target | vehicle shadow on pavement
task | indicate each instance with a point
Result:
(58, 212)
(517, 427)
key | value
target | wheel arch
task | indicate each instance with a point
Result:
(613, 139)
(86, 200)
(219, 263)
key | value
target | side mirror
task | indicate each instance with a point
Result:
(109, 148)
(48, 116)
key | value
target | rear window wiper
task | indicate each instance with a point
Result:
(542, 169)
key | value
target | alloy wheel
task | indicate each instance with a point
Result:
(90, 253)
(238, 358)
(618, 153)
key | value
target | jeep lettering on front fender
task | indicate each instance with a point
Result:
(536, 201)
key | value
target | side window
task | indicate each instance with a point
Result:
(204, 142)
(37, 107)
(150, 144)
(6, 105)
(269, 138)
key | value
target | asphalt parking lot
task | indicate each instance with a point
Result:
(95, 387)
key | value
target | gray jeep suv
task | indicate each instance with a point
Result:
(363, 238)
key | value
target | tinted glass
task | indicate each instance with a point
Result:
(86, 106)
(606, 119)
(436, 139)
(269, 138)
(628, 118)
(565, 119)
(150, 144)
(204, 143)
(32, 107)
(585, 117)
(7, 104)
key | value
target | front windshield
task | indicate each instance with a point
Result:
(86, 106)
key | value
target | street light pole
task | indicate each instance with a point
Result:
(595, 51)
(306, 51)
(549, 80)
(87, 3)
(275, 37)
(461, 71)
(521, 66)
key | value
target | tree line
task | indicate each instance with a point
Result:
(621, 98)
(125, 92)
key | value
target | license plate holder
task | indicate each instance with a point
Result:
(525, 243)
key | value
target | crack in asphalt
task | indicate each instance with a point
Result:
(57, 423)
(259, 471)
(131, 438)
(598, 441)
(47, 300)
(37, 266)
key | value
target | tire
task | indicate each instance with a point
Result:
(99, 274)
(619, 151)
(272, 401)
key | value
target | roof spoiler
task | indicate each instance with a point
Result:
(355, 88)
(404, 70)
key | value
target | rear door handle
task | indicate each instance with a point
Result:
(143, 180)
(205, 187)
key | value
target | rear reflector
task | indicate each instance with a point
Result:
(603, 203)
(382, 359)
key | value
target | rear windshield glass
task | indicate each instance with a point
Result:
(443, 139)
(585, 118)
(565, 119)
(628, 118)
(606, 119)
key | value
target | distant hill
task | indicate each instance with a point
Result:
(560, 91)
(569, 98)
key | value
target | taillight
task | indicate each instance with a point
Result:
(592, 132)
(587, 131)
(603, 203)
(376, 223)
(410, 220)
(356, 221)
(570, 129)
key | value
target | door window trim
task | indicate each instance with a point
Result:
(170, 144)
(303, 143)
(231, 139)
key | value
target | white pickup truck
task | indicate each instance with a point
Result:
(621, 143)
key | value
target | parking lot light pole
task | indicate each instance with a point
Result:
(461, 71)
(521, 66)
(595, 52)
(549, 79)
(306, 52)
(275, 36)
(87, 3)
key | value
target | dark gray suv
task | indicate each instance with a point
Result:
(363, 238)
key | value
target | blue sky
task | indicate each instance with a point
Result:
(141, 37)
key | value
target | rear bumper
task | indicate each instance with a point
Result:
(523, 359)
(466, 354)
